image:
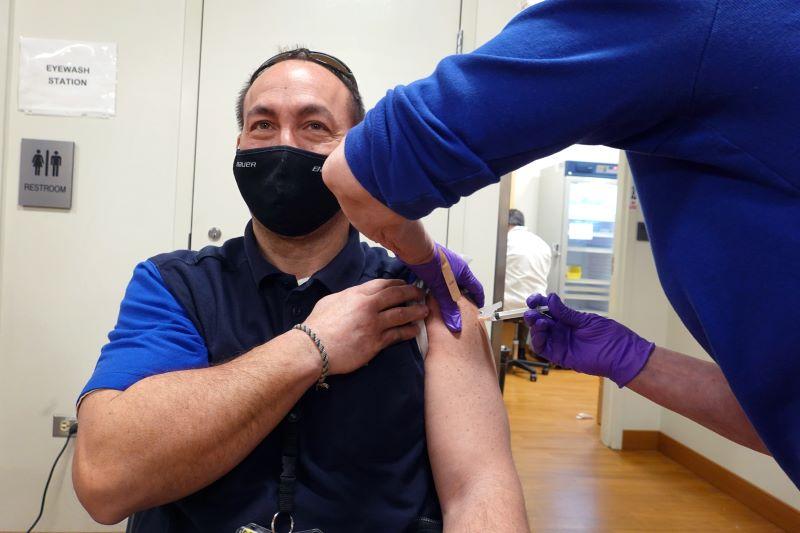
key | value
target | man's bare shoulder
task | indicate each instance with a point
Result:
(470, 340)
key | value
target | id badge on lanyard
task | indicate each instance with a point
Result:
(255, 528)
(287, 481)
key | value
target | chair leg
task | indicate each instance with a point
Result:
(504, 357)
(516, 363)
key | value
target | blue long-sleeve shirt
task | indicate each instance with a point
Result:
(705, 98)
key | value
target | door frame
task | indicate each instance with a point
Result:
(187, 123)
(610, 405)
(6, 53)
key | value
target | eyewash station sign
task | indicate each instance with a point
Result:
(72, 78)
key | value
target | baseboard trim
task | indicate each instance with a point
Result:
(761, 502)
(638, 440)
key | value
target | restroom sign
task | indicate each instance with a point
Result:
(74, 78)
(45, 173)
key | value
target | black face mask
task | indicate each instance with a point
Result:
(283, 188)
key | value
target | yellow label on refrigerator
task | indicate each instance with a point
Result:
(574, 272)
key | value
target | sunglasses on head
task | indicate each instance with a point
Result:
(320, 58)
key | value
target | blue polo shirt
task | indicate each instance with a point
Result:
(703, 96)
(363, 463)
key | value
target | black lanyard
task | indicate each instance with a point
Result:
(288, 482)
(288, 479)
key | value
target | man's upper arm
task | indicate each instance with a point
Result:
(465, 419)
(153, 335)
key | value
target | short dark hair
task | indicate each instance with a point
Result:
(304, 54)
(515, 217)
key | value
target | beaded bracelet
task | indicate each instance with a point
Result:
(323, 354)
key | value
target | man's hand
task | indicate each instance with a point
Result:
(124, 463)
(586, 342)
(431, 273)
(358, 322)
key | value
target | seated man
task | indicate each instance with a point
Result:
(184, 422)
(528, 260)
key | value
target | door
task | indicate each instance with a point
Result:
(550, 221)
(391, 43)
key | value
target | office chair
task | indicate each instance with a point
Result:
(518, 359)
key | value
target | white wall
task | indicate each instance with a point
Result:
(639, 302)
(63, 272)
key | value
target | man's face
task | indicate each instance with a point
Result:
(296, 103)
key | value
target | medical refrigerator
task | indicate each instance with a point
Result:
(576, 212)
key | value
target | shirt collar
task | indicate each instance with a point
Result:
(342, 272)
(345, 270)
(259, 267)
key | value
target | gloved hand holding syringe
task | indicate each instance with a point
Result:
(585, 342)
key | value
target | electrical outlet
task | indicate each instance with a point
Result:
(61, 425)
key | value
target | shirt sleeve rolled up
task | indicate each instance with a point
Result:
(153, 335)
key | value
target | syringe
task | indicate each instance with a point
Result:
(515, 313)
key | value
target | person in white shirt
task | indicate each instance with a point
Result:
(527, 262)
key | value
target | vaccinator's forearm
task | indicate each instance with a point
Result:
(697, 390)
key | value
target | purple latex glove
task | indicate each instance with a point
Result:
(431, 274)
(586, 342)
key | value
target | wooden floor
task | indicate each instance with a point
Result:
(574, 483)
